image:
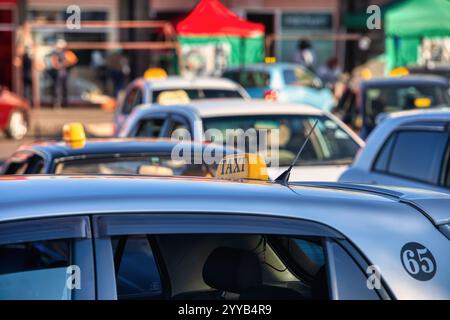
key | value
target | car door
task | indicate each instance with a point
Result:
(181, 256)
(46, 259)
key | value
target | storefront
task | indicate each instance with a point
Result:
(8, 25)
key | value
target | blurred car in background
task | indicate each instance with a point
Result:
(14, 114)
(114, 157)
(283, 82)
(437, 70)
(331, 149)
(378, 97)
(148, 91)
(408, 149)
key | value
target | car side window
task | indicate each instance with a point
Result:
(416, 155)
(35, 270)
(133, 99)
(150, 128)
(178, 122)
(137, 274)
(382, 161)
(21, 162)
(351, 281)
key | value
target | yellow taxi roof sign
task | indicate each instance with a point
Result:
(167, 98)
(155, 73)
(422, 102)
(399, 72)
(74, 135)
(270, 60)
(246, 166)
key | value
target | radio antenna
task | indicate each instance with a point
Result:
(284, 177)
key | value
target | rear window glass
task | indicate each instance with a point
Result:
(250, 79)
(203, 94)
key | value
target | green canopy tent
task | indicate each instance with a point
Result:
(409, 23)
(213, 37)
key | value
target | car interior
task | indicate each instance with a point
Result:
(219, 267)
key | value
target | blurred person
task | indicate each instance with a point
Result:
(61, 60)
(27, 75)
(347, 107)
(98, 64)
(305, 54)
(118, 68)
(330, 72)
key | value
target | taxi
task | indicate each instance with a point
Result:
(224, 239)
(148, 90)
(81, 156)
(332, 150)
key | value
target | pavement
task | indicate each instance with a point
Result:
(47, 124)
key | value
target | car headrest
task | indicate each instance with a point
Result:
(232, 270)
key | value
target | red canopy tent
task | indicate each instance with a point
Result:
(210, 17)
(213, 37)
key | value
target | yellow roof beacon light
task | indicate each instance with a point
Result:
(246, 166)
(399, 72)
(270, 60)
(155, 73)
(74, 135)
(422, 102)
(168, 98)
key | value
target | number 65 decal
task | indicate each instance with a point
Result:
(418, 261)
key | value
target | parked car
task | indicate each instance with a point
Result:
(283, 82)
(332, 148)
(14, 114)
(378, 97)
(147, 91)
(408, 149)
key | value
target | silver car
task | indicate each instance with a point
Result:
(408, 149)
(104, 237)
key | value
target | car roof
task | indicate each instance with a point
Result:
(235, 107)
(410, 79)
(108, 146)
(176, 82)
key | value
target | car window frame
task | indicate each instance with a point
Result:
(414, 128)
(156, 116)
(75, 228)
(171, 118)
(106, 226)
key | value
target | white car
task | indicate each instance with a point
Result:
(331, 149)
(407, 149)
(145, 91)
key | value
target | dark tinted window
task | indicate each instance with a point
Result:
(132, 100)
(35, 270)
(150, 128)
(384, 155)
(351, 281)
(137, 274)
(250, 79)
(418, 155)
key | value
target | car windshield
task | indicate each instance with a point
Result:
(131, 165)
(329, 143)
(202, 93)
(394, 98)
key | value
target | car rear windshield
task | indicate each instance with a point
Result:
(329, 144)
(203, 93)
(385, 99)
(249, 79)
(133, 165)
